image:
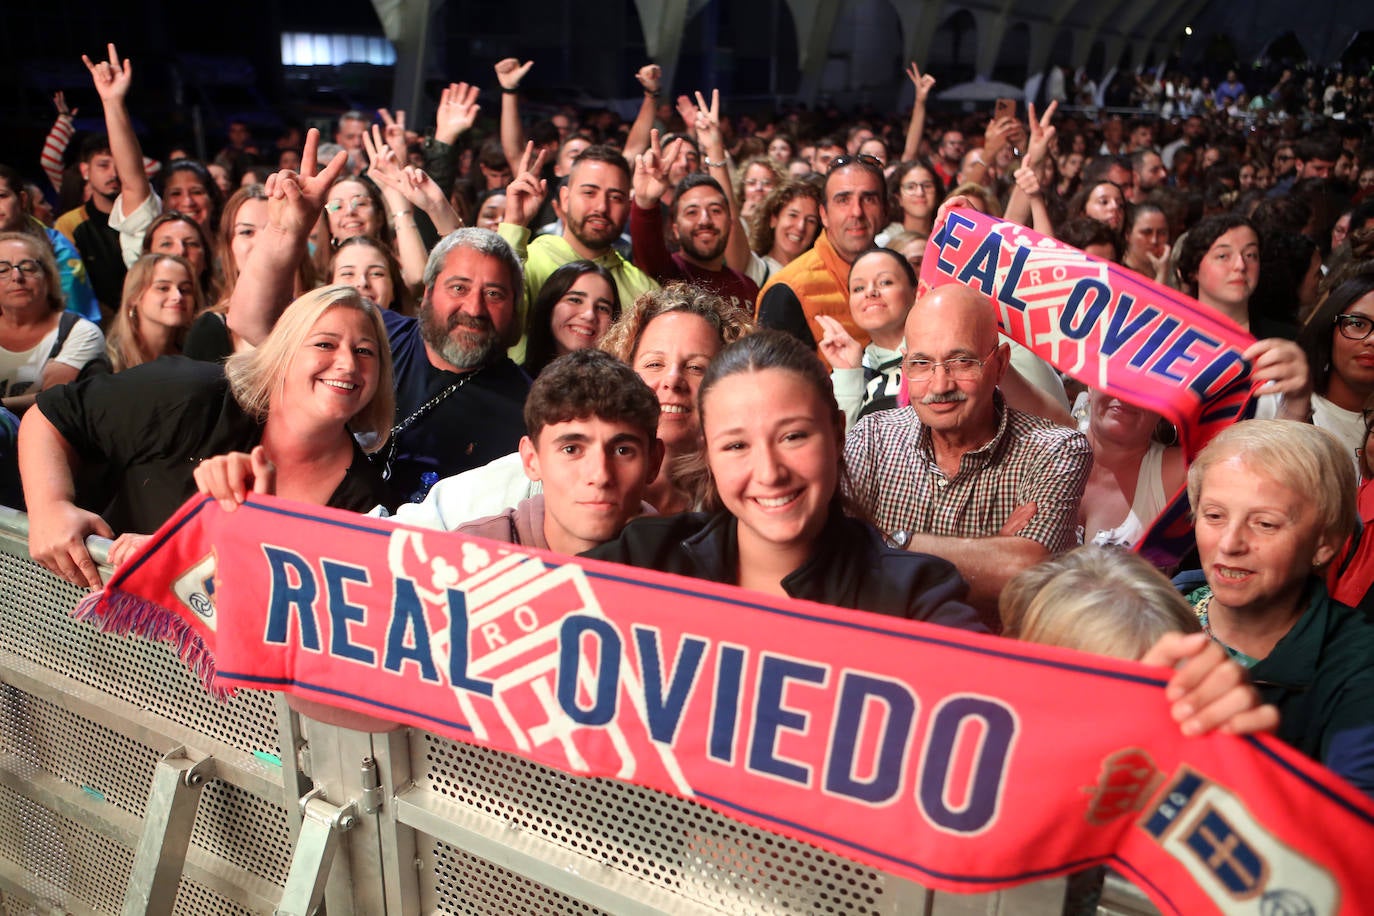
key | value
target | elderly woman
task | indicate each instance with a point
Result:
(1273, 503)
(323, 374)
(40, 344)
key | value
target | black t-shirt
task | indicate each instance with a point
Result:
(480, 421)
(208, 339)
(152, 424)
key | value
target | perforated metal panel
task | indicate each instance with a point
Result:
(244, 829)
(465, 885)
(144, 673)
(62, 854)
(86, 863)
(674, 844)
(196, 900)
(50, 739)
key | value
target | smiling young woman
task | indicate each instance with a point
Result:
(774, 438)
(575, 308)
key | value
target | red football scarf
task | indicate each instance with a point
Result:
(964, 762)
(1107, 326)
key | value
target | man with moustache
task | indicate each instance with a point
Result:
(595, 203)
(816, 282)
(957, 473)
(701, 226)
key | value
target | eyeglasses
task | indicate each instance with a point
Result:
(924, 187)
(27, 268)
(758, 183)
(959, 368)
(840, 162)
(1354, 327)
(353, 203)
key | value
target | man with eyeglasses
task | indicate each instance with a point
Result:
(958, 474)
(816, 282)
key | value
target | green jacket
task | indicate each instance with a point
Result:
(1320, 675)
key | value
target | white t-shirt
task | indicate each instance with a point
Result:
(20, 371)
(132, 227)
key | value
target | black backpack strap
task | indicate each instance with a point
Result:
(64, 328)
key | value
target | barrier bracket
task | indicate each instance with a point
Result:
(322, 824)
(169, 818)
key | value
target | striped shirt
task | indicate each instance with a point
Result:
(894, 475)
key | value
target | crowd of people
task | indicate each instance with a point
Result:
(695, 344)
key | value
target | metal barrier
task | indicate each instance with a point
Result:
(125, 788)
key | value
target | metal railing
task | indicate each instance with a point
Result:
(124, 787)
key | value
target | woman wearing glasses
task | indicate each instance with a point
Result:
(40, 344)
(1339, 343)
(914, 191)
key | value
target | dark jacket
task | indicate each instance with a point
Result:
(1320, 675)
(853, 568)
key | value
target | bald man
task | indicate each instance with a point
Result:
(959, 474)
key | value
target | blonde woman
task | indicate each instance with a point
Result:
(159, 303)
(323, 374)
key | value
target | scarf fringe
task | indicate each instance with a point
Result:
(124, 613)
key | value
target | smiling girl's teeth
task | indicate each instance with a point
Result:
(343, 386)
(776, 501)
(673, 408)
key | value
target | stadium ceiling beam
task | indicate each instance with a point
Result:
(662, 22)
(919, 22)
(406, 25)
(814, 21)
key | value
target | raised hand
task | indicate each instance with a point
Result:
(923, 82)
(230, 478)
(509, 72)
(1282, 366)
(1027, 181)
(687, 111)
(111, 77)
(384, 168)
(840, 349)
(525, 193)
(394, 129)
(457, 111)
(59, 101)
(999, 133)
(650, 76)
(1042, 132)
(707, 123)
(295, 199)
(651, 170)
